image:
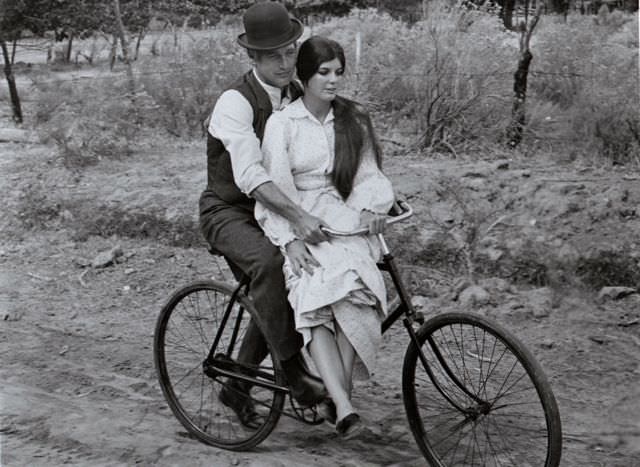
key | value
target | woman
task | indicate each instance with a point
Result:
(321, 152)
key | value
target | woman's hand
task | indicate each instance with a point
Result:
(375, 222)
(300, 257)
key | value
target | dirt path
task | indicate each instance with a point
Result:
(79, 386)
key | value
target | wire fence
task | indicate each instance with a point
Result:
(182, 64)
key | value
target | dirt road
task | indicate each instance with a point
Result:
(78, 383)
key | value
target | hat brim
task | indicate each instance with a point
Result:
(296, 32)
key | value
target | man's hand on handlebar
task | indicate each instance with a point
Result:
(300, 257)
(309, 229)
(376, 223)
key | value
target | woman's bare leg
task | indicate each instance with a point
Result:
(328, 361)
(348, 355)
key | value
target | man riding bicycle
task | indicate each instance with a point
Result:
(236, 178)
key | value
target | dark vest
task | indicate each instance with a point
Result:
(220, 183)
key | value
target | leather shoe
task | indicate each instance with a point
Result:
(349, 426)
(305, 388)
(240, 402)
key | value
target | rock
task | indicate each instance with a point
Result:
(615, 293)
(495, 284)
(81, 262)
(14, 135)
(477, 172)
(547, 343)
(493, 254)
(540, 301)
(14, 315)
(106, 258)
(600, 339)
(419, 302)
(474, 296)
(501, 164)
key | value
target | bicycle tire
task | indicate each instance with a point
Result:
(501, 411)
(183, 338)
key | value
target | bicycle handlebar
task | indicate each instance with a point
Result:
(407, 212)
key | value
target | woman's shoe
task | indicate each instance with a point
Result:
(349, 426)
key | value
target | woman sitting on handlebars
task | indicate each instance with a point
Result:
(321, 151)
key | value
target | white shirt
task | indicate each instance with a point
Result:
(232, 123)
(299, 153)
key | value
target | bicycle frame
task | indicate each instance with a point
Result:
(402, 308)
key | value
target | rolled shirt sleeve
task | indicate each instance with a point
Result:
(232, 123)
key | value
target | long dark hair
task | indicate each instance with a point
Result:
(352, 123)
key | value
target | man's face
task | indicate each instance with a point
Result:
(276, 67)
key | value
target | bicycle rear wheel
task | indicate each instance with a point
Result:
(186, 329)
(475, 396)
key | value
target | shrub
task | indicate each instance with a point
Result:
(438, 78)
(88, 119)
(184, 82)
(589, 74)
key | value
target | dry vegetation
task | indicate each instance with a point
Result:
(542, 227)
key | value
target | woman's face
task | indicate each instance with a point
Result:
(324, 84)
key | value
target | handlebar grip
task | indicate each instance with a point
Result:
(407, 212)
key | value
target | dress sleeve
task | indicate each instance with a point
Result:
(372, 190)
(275, 150)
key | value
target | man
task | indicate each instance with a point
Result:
(236, 178)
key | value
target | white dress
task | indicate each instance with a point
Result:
(347, 286)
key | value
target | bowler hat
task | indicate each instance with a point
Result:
(268, 26)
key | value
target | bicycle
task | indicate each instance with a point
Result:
(473, 394)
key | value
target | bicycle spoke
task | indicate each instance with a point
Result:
(499, 419)
(185, 334)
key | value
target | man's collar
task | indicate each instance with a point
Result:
(273, 91)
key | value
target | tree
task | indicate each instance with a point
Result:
(12, 21)
(525, 28)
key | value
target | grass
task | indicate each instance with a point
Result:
(439, 86)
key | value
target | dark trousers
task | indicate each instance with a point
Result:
(234, 232)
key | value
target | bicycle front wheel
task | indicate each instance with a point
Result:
(475, 396)
(191, 376)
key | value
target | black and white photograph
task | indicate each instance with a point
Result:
(285, 233)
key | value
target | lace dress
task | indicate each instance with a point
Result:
(348, 287)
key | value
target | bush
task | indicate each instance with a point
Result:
(184, 82)
(438, 79)
(444, 83)
(589, 74)
(88, 119)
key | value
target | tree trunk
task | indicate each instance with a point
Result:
(525, 29)
(514, 132)
(13, 90)
(67, 58)
(14, 45)
(114, 52)
(125, 54)
(141, 35)
(121, 32)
